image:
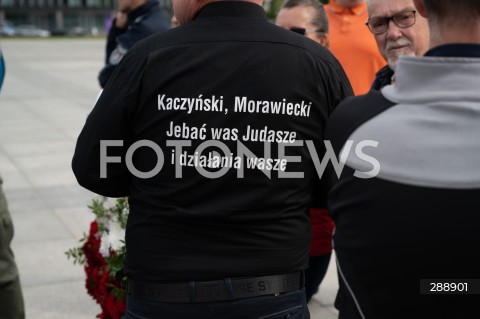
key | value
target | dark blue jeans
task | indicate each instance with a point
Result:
(290, 305)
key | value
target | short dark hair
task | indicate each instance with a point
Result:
(461, 9)
(319, 21)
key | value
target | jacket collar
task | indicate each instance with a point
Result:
(465, 50)
(228, 8)
(382, 78)
(419, 79)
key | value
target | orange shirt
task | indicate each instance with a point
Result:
(354, 45)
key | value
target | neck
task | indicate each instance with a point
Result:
(441, 34)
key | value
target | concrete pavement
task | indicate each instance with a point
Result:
(50, 87)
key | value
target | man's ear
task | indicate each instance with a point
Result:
(420, 7)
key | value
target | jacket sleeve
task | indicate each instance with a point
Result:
(334, 84)
(99, 159)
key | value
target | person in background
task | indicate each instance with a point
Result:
(219, 235)
(134, 21)
(407, 34)
(308, 18)
(352, 43)
(11, 297)
(407, 215)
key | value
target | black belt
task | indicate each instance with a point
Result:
(217, 290)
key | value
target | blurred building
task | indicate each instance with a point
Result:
(63, 16)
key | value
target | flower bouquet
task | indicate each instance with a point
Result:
(101, 253)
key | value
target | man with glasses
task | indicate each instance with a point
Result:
(308, 18)
(398, 30)
(407, 235)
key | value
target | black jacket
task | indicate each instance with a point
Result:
(382, 78)
(219, 80)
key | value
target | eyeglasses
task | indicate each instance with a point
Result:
(403, 19)
(304, 31)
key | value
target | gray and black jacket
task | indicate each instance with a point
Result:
(418, 216)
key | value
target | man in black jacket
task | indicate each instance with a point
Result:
(407, 34)
(135, 20)
(214, 129)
